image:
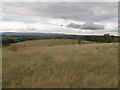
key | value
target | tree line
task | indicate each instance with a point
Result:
(106, 38)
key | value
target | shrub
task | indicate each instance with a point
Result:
(7, 41)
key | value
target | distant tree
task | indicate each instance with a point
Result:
(106, 35)
(7, 41)
(106, 38)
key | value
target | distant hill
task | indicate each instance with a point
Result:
(34, 34)
(39, 34)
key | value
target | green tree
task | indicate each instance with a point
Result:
(106, 38)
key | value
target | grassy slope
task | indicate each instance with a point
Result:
(50, 63)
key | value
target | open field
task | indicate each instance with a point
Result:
(60, 64)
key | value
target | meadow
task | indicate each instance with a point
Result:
(60, 63)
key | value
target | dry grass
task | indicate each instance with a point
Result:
(38, 65)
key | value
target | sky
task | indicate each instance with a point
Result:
(81, 18)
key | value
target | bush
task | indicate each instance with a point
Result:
(7, 41)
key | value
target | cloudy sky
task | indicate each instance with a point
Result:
(83, 18)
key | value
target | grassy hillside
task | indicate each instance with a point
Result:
(59, 63)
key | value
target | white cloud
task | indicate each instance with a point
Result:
(54, 17)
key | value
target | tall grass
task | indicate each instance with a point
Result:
(60, 66)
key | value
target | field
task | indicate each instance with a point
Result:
(58, 63)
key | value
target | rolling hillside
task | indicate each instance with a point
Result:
(58, 63)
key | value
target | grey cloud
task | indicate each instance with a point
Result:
(94, 11)
(72, 25)
(101, 12)
(26, 19)
(91, 26)
(119, 14)
(113, 30)
(87, 26)
(31, 28)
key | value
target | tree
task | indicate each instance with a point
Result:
(106, 38)
(7, 41)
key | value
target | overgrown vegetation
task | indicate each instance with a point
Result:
(56, 63)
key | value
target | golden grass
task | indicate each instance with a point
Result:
(61, 65)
